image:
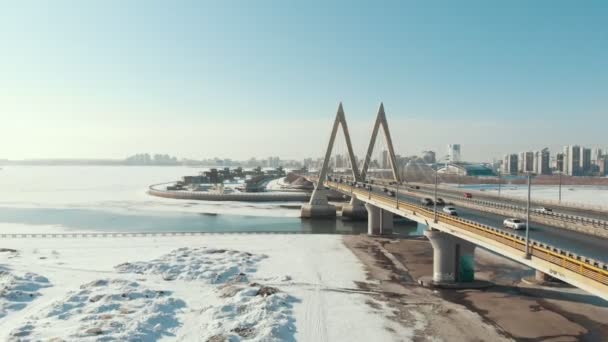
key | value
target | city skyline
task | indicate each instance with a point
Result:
(111, 79)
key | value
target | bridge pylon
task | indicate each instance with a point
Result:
(381, 122)
(319, 205)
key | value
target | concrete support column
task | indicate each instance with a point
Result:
(386, 222)
(318, 207)
(465, 254)
(453, 258)
(444, 267)
(379, 221)
(355, 209)
(373, 219)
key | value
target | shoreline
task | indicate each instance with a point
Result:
(511, 307)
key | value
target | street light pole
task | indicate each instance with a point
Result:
(397, 194)
(435, 201)
(528, 217)
(560, 188)
(499, 182)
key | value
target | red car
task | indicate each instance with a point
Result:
(468, 195)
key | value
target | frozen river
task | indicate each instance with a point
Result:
(36, 199)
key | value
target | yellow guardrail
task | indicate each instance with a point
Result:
(578, 266)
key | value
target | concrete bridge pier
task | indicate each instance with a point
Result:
(379, 221)
(355, 209)
(318, 207)
(453, 259)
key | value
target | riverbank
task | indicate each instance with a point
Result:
(513, 308)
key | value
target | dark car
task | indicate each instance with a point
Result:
(440, 201)
(427, 201)
(468, 195)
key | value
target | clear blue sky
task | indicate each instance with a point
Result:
(112, 78)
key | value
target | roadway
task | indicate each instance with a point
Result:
(428, 189)
(579, 243)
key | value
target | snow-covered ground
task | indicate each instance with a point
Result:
(204, 288)
(112, 188)
(579, 194)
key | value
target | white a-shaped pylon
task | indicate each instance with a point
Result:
(319, 195)
(381, 122)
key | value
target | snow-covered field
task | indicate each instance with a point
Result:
(578, 194)
(206, 288)
(254, 287)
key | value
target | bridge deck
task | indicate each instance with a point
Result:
(581, 271)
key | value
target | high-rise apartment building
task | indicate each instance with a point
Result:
(596, 155)
(454, 153)
(559, 162)
(541, 162)
(526, 162)
(385, 162)
(585, 161)
(510, 164)
(572, 160)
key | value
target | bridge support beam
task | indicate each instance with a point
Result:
(542, 277)
(453, 258)
(318, 207)
(355, 209)
(379, 221)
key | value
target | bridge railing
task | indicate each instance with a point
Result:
(596, 223)
(582, 265)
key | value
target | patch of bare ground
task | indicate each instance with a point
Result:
(419, 309)
(510, 309)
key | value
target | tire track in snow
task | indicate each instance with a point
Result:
(315, 324)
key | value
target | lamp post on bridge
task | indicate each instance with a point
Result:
(528, 215)
(435, 199)
(446, 159)
(559, 199)
(499, 183)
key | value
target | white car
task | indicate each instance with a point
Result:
(450, 211)
(514, 223)
(544, 210)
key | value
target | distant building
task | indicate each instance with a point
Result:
(497, 166)
(385, 162)
(541, 162)
(454, 153)
(572, 160)
(559, 162)
(596, 155)
(274, 162)
(585, 161)
(602, 164)
(339, 162)
(510, 164)
(465, 169)
(429, 157)
(526, 162)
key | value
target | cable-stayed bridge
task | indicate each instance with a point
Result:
(570, 245)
